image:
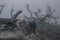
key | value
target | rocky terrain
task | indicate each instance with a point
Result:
(45, 33)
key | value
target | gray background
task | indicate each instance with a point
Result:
(34, 4)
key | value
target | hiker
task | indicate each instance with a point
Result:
(32, 24)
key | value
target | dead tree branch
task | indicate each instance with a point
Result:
(28, 9)
(49, 14)
(36, 13)
(25, 16)
(12, 11)
(2, 7)
(13, 18)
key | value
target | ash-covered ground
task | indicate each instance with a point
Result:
(45, 32)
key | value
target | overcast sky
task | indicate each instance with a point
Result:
(34, 4)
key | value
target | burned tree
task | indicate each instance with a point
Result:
(2, 7)
(49, 14)
(11, 23)
(15, 16)
(28, 9)
(35, 13)
(13, 20)
(46, 18)
(12, 11)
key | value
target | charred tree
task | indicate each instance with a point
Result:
(2, 7)
(12, 11)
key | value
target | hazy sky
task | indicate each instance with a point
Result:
(34, 4)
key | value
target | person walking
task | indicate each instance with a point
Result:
(33, 25)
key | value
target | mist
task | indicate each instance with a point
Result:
(30, 19)
(34, 4)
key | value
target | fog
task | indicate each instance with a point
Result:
(34, 4)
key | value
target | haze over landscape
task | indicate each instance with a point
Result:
(30, 19)
(34, 4)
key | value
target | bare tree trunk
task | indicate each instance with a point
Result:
(2, 7)
(13, 18)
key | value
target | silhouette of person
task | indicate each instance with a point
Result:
(32, 24)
